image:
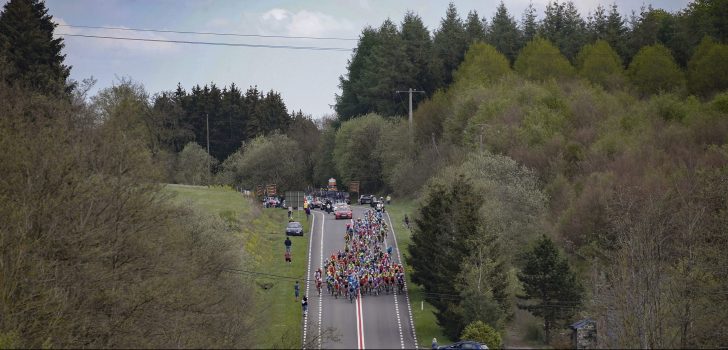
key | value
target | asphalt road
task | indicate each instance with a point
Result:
(375, 322)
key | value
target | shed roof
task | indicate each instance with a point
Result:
(581, 324)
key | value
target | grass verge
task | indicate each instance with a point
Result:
(422, 312)
(263, 233)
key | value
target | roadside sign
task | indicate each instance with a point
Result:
(295, 198)
(354, 186)
(259, 190)
(271, 189)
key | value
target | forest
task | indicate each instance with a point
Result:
(587, 148)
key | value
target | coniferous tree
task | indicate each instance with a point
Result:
(503, 33)
(418, 47)
(450, 43)
(616, 33)
(597, 24)
(475, 28)
(348, 104)
(529, 26)
(551, 289)
(31, 53)
(446, 224)
(563, 26)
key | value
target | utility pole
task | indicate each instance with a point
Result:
(209, 162)
(410, 91)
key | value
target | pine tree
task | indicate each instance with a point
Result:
(551, 289)
(563, 26)
(450, 44)
(597, 24)
(348, 104)
(503, 33)
(529, 26)
(418, 47)
(27, 45)
(475, 28)
(616, 33)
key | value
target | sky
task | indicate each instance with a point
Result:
(307, 80)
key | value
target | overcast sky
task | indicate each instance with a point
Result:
(307, 80)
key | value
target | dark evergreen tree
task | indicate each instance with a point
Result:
(503, 33)
(450, 43)
(597, 25)
(529, 26)
(563, 26)
(616, 33)
(475, 28)
(418, 47)
(551, 289)
(348, 104)
(446, 223)
(31, 53)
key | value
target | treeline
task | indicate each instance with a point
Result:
(391, 57)
(92, 253)
(571, 184)
(234, 117)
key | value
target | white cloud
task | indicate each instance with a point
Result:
(304, 23)
(119, 46)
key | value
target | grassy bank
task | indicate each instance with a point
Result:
(422, 312)
(263, 233)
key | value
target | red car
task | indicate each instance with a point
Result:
(343, 212)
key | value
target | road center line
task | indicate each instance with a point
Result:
(320, 303)
(359, 322)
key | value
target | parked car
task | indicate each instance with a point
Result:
(365, 199)
(464, 344)
(271, 202)
(294, 228)
(343, 212)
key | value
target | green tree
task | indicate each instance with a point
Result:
(475, 28)
(600, 64)
(654, 70)
(482, 333)
(325, 167)
(348, 104)
(444, 227)
(450, 43)
(272, 159)
(529, 26)
(708, 68)
(194, 165)
(503, 33)
(563, 26)
(32, 54)
(551, 289)
(355, 151)
(616, 32)
(541, 60)
(483, 64)
(418, 47)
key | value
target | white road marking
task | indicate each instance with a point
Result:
(308, 280)
(406, 293)
(321, 262)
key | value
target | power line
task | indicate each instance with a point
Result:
(312, 48)
(206, 33)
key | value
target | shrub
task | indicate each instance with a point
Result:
(654, 69)
(600, 64)
(708, 68)
(541, 60)
(482, 64)
(482, 333)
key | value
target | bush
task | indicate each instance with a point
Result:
(541, 60)
(194, 165)
(482, 333)
(482, 64)
(708, 68)
(654, 70)
(600, 64)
